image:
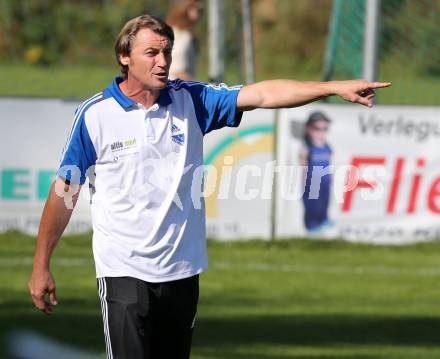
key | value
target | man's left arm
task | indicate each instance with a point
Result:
(290, 93)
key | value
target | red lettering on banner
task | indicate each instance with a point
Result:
(354, 182)
(352, 178)
(434, 193)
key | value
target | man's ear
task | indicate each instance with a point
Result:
(125, 59)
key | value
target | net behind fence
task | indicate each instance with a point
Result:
(408, 48)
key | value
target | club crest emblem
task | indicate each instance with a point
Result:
(177, 135)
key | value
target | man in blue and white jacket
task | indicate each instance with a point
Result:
(140, 144)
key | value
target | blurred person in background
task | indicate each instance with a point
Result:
(316, 154)
(183, 17)
(140, 144)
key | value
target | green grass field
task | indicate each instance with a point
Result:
(79, 82)
(83, 81)
(290, 299)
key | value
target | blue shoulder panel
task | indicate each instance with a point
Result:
(79, 154)
(215, 105)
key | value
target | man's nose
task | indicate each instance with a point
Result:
(161, 60)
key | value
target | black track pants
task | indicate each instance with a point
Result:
(145, 320)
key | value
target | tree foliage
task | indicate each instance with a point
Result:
(289, 34)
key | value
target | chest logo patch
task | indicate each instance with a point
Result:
(177, 135)
(123, 145)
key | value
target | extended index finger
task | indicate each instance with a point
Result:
(377, 85)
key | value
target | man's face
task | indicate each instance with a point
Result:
(150, 59)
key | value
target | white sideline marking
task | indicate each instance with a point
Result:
(255, 267)
(27, 261)
(268, 267)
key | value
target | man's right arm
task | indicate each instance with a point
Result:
(290, 93)
(56, 216)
